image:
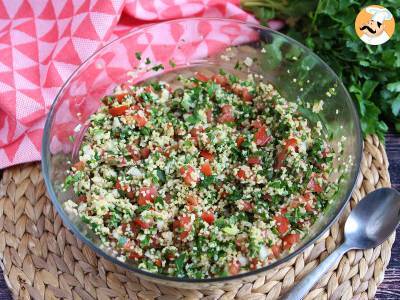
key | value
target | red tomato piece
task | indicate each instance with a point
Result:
(140, 120)
(81, 199)
(142, 224)
(314, 186)
(289, 240)
(201, 77)
(246, 95)
(189, 175)
(308, 207)
(234, 268)
(241, 174)
(79, 166)
(292, 142)
(276, 250)
(192, 200)
(282, 224)
(280, 159)
(261, 136)
(207, 155)
(226, 115)
(254, 160)
(147, 195)
(118, 110)
(144, 152)
(158, 262)
(206, 169)
(135, 255)
(239, 141)
(247, 206)
(257, 124)
(208, 217)
(220, 79)
(209, 115)
(253, 263)
(120, 97)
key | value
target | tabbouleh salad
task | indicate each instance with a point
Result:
(214, 178)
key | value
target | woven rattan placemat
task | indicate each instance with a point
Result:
(41, 259)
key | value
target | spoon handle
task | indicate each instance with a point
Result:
(304, 286)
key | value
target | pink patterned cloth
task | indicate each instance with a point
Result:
(43, 42)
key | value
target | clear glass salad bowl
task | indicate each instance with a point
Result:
(184, 47)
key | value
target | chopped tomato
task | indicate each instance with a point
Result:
(239, 141)
(261, 136)
(208, 217)
(189, 175)
(241, 174)
(257, 124)
(170, 256)
(209, 115)
(289, 240)
(130, 195)
(308, 207)
(325, 152)
(292, 142)
(206, 154)
(81, 199)
(79, 166)
(253, 263)
(120, 97)
(247, 206)
(142, 224)
(194, 132)
(118, 110)
(140, 120)
(206, 169)
(220, 79)
(118, 185)
(144, 152)
(226, 115)
(282, 224)
(201, 77)
(135, 255)
(234, 268)
(276, 250)
(246, 95)
(314, 186)
(254, 160)
(280, 158)
(183, 222)
(158, 262)
(147, 195)
(192, 200)
(283, 210)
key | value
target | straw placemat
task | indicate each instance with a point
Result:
(41, 259)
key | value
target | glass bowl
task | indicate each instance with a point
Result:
(184, 47)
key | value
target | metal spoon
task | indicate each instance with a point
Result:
(369, 224)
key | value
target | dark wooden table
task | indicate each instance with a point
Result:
(390, 288)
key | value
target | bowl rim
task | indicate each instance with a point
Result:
(165, 278)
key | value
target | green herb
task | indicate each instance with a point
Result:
(158, 67)
(147, 61)
(138, 55)
(71, 138)
(179, 263)
(143, 208)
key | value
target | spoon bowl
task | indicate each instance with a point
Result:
(369, 224)
(373, 220)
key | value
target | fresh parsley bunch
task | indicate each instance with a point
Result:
(370, 73)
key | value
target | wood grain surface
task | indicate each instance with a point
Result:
(390, 288)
